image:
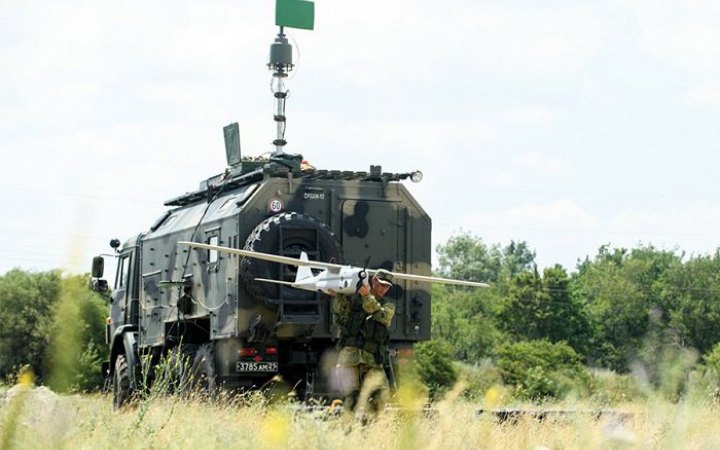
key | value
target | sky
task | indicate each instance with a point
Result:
(566, 124)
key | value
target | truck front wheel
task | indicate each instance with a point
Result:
(122, 388)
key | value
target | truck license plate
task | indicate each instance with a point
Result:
(256, 366)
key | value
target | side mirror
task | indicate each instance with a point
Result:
(98, 267)
(100, 286)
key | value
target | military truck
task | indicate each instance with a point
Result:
(210, 312)
(239, 332)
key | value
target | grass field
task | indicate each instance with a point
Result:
(38, 418)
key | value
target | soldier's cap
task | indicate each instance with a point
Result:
(384, 277)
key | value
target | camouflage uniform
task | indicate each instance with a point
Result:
(364, 322)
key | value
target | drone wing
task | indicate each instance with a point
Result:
(333, 268)
(266, 256)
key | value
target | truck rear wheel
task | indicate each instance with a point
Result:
(176, 368)
(286, 234)
(122, 388)
(203, 371)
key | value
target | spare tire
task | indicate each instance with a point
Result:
(286, 234)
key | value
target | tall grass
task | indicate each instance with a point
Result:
(169, 421)
(680, 412)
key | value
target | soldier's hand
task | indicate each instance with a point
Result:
(364, 290)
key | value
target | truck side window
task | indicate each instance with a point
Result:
(122, 272)
(213, 256)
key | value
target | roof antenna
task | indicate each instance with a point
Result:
(281, 63)
(293, 14)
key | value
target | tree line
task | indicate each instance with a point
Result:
(621, 310)
(55, 325)
(539, 331)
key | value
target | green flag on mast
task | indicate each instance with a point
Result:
(295, 14)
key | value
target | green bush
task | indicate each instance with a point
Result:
(78, 345)
(53, 324)
(27, 302)
(703, 383)
(539, 370)
(711, 359)
(610, 388)
(435, 367)
(479, 378)
(675, 366)
(703, 386)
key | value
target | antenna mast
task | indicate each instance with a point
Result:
(292, 14)
(281, 64)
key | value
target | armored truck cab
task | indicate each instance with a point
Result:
(211, 308)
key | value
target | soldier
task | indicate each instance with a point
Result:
(364, 319)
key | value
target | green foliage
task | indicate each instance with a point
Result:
(465, 320)
(692, 295)
(621, 292)
(467, 257)
(434, 366)
(674, 369)
(78, 346)
(50, 322)
(711, 359)
(541, 369)
(704, 379)
(611, 389)
(642, 309)
(479, 378)
(543, 308)
(27, 301)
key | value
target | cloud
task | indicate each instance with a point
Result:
(707, 95)
(535, 161)
(111, 108)
(556, 216)
(562, 231)
(556, 229)
(681, 32)
(408, 40)
(673, 224)
(529, 114)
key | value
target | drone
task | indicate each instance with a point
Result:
(332, 278)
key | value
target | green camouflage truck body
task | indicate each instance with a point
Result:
(166, 294)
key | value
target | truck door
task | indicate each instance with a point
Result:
(124, 304)
(118, 302)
